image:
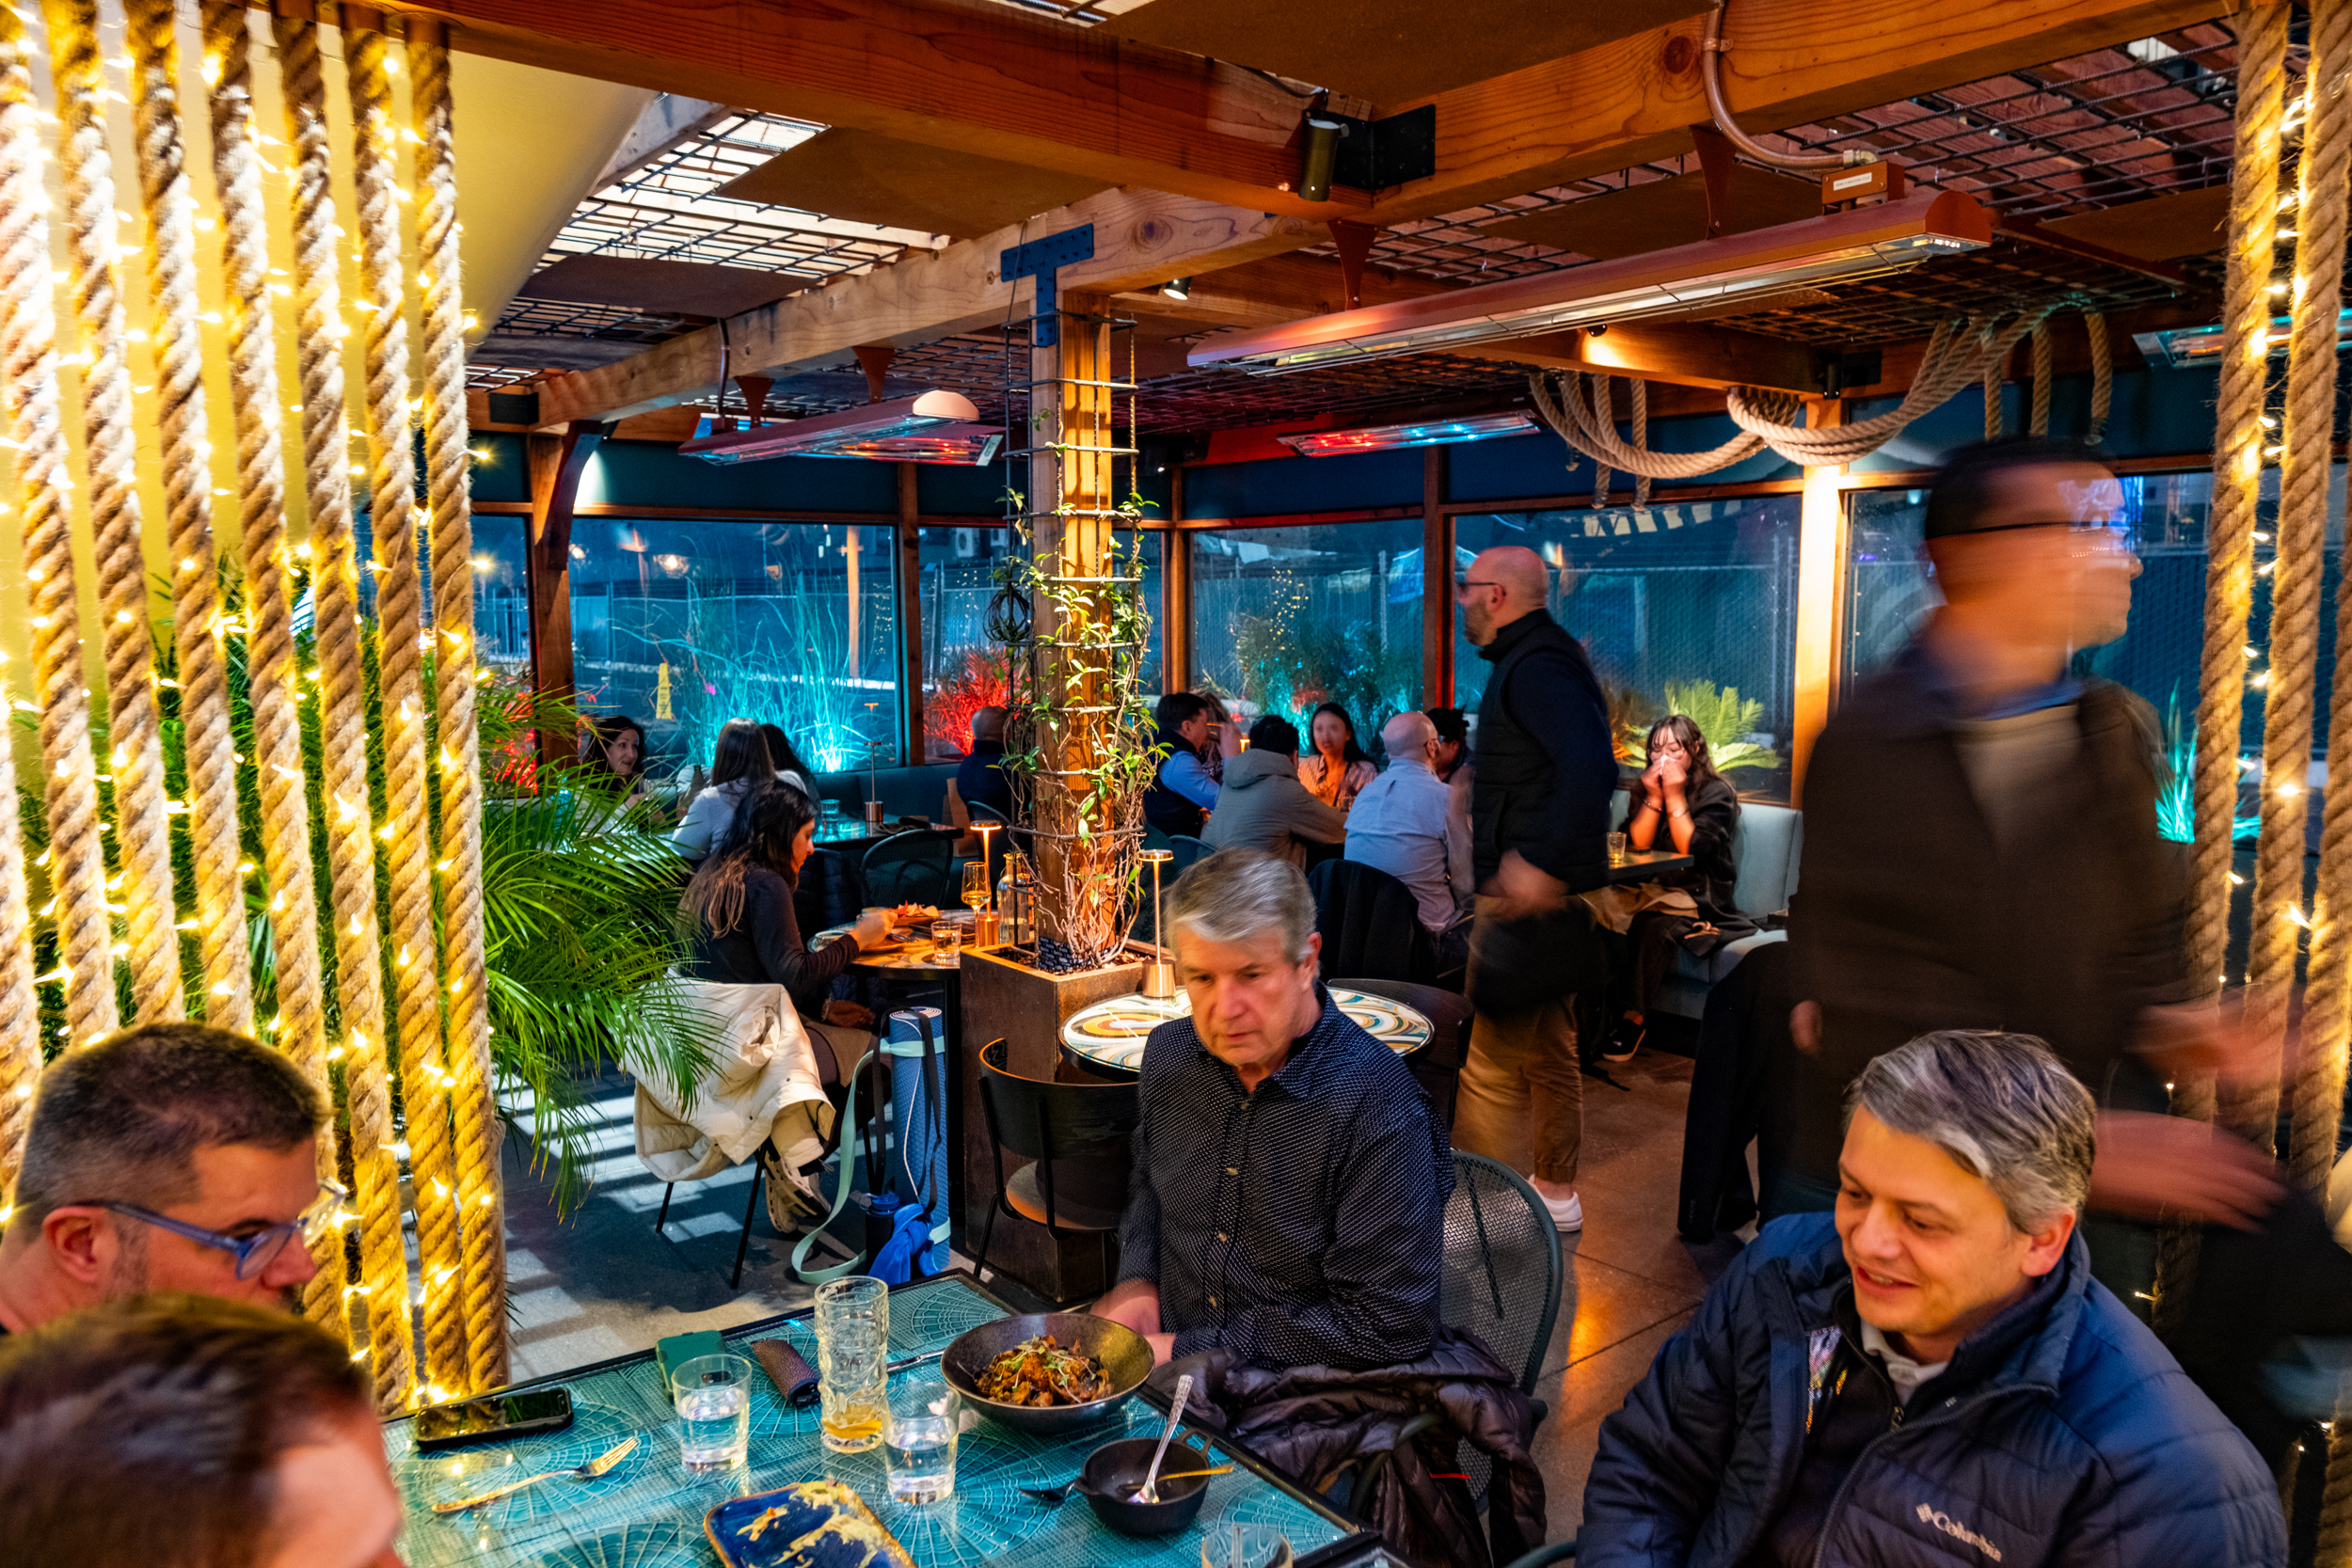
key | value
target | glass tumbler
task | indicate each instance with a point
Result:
(1243, 1546)
(919, 1445)
(947, 942)
(853, 1361)
(1617, 848)
(713, 1394)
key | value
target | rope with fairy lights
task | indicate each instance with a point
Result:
(342, 712)
(142, 826)
(23, 239)
(272, 668)
(19, 1000)
(424, 1082)
(2250, 1108)
(29, 393)
(447, 464)
(208, 745)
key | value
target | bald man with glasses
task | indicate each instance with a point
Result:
(166, 1157)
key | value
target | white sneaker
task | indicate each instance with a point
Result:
(1568, 1213)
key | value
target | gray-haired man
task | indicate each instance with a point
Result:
(1930, 1375)
(166, 1157)
(1288, 1201)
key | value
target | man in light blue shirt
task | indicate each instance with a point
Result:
(1401, 824)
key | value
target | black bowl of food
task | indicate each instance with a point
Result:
(1114, 1475)
(1047, 1372)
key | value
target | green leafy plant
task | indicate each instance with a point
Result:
(2176, 789)
(1724, 718)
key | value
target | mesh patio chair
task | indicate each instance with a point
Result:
(914, 867)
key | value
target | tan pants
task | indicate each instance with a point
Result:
(1523, 1093)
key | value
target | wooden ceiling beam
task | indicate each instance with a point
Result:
(1140, 238)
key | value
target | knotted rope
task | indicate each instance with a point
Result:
(2323, 184)
(2238, 438)
(142, 826)
(1956, 355)
(343, 713)
(1572, 419)
(448, 463)
(29, 395)
(207, 745)
(19, 1003)
(425, 1083)
(273, 671)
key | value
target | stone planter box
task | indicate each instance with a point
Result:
(1025, 1007)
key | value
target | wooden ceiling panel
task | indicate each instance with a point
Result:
(2162, 228)
(675, 288)
(1665, 212)
(1385, 50)
(875, 179)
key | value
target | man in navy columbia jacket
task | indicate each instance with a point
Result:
(1930, 1376)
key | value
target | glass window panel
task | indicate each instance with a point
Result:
(501, 595)
(1696, 595)
(1891, 590)
(1286, 618)
(963, 670)
(683, 625)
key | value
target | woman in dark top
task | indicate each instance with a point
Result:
(1681, 803)
(739, 902)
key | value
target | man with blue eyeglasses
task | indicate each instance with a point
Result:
(166, 1157)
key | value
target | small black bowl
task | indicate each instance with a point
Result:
(1114, 1471)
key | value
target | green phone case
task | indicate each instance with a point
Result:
(678, 1349)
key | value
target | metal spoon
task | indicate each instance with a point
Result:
(589, 1471)
(1053, 1495)
(1149, 1492)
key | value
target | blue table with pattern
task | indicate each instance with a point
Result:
(647, 1511)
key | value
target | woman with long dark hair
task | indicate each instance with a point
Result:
(1336, 766)
(613, 757)
(1680, 802)
(738, 760)
(788, 765)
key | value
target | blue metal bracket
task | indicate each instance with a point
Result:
(1041, 259)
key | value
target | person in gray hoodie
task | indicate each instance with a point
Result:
(1261, 805)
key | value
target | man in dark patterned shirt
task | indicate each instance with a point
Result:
(1288, 1200)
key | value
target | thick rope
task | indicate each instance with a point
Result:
(2335, 1503)
(1956, 357)
(273, 671)
(1607, 422)
(1641, 437)
(19, 1003)
(448, 463)
(2045, 378)
(207, 744)
(142, 826)
(1996, 366)
(2324, 183)
(29, 395)
(343, 715)
(2101, 376)
(424, 1082)
(1571, 418)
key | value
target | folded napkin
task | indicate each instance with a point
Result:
(794, 1378)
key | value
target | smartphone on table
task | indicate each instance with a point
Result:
(493, 1418)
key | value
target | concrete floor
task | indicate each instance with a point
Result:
(603, 1283)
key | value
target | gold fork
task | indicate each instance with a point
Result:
(589, 1471)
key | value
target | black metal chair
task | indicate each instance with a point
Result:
(1189, 850)
(912, 868)
(1078, 1139)
(1437, 1066)
(1371, 924)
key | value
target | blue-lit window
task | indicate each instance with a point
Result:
(683, 625)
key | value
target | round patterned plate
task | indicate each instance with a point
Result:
(1112, 1033)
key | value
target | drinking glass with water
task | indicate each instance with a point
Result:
(714, 1408)
(919, 1445)
(852, 1357)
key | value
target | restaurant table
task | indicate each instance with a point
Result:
(1107, 1038)
(1640, 865)
(648, 1513)
(853, 837)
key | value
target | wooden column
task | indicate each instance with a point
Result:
(556, 463)
(1437, 584)
(1175, 593)
(1823, 548)
(909, 600)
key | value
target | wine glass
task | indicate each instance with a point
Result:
(977, 891)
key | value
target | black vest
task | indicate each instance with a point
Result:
(1163, 808)
(1513, 784)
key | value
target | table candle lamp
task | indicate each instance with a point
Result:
(1159, 976)
(985, 930)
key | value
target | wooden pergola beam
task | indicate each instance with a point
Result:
(1027, 96)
